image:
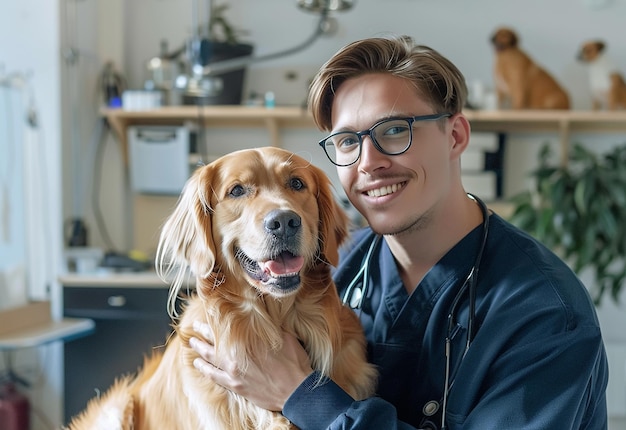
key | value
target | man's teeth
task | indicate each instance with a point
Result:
(383, 191)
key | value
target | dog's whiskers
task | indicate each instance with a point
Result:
(318, 258)
(246, 262)
(218, 277)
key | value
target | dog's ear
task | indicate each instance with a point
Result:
(514, 39)
(600, 45)
(186, 240)
(333, 219)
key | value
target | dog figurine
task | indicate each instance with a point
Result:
(520, 82)
(605, 82)
(259, 229)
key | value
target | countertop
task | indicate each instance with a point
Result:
(65, 329)
(147, 279)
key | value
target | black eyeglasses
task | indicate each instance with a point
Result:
(391, 136)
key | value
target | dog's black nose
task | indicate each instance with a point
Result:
(282, 223)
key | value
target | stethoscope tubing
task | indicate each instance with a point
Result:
(469, 285)
(362, 274)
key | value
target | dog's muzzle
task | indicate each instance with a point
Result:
(280, 272)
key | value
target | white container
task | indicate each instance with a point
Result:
(141, 100)
(159, 159)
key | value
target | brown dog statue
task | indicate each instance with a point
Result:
(520, 82)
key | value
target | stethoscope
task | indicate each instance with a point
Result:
(354, 295)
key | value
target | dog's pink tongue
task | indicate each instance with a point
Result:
(284, 264)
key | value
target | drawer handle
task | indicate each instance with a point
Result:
(116, 301)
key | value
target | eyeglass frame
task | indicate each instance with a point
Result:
(411, 120)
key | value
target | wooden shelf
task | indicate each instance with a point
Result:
(147, 279)
(559, 122)
(562, 122)
(210, 116)
(521, 120)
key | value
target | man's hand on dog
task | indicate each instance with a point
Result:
(267, 383)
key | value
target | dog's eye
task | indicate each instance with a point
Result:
(237, 191)
(296, 184)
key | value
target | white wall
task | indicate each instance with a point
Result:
(30, 45)
(551, 31)
(32, 55)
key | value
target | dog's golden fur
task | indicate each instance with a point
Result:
(520, 82)
(244, 225)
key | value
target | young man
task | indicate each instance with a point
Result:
(472, 323)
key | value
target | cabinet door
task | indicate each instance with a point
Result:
(130, 324)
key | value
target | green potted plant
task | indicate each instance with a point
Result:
(579, 210)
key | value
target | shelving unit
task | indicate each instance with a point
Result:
(562, 122)
(273, 119)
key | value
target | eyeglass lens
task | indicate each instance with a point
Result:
(391, 137)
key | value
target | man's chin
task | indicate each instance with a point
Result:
(392, 226)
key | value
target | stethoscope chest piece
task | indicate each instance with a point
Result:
(430, 408)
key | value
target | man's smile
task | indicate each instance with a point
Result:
(387, 189)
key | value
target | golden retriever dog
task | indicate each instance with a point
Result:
(520, 82)
(259, 229)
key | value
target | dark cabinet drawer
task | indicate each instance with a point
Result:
(115, 303)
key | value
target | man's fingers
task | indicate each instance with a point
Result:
(203, 348)
(219, 376)
(204, 363)
(207, 354)
(205, 368)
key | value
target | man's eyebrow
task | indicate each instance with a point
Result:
(396, 115)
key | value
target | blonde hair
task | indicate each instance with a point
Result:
(435, 77)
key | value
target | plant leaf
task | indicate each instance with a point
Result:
(579, 210)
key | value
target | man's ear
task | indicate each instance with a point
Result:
(460, 134)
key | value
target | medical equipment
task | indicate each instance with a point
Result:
(209, 67)
(354, 295)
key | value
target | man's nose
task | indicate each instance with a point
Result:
(371, 157)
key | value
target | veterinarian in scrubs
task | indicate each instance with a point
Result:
(472, 323)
